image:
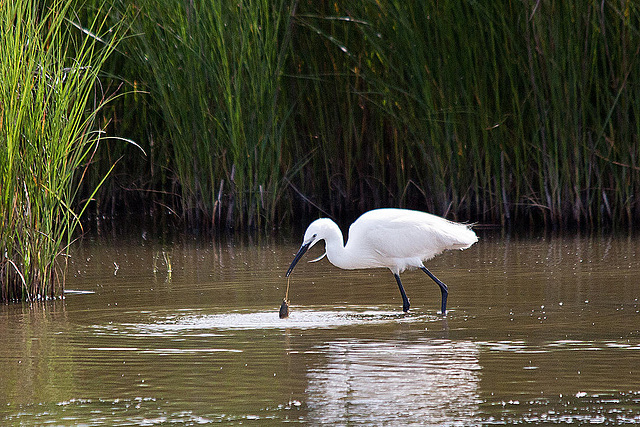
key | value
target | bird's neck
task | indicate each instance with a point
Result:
(337, 254)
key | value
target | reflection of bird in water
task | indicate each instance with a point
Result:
(395, 382)
(393, 238)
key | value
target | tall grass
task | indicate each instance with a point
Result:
(47, 106)
(498, 112)
(504, 112)
(213, 69)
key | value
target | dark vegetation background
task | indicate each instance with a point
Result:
(258, 114)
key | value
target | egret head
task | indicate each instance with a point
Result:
(317, 230)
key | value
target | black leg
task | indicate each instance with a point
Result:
(405, 300)
(443, 289)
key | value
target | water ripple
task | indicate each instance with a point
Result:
(197, 323)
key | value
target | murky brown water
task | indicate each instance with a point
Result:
(539, 330)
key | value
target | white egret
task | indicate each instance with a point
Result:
(393, 238)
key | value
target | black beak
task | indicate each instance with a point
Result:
(303, 249)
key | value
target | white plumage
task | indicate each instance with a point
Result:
(396, 239)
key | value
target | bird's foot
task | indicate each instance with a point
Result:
(405, 307)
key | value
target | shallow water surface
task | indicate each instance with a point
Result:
(539, 330)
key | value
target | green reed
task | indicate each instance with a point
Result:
(499, 112)
(213, 70)
(490, 111)
(48, 72)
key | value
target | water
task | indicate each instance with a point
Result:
(540, 330)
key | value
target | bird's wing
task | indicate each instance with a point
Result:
(402, 234)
